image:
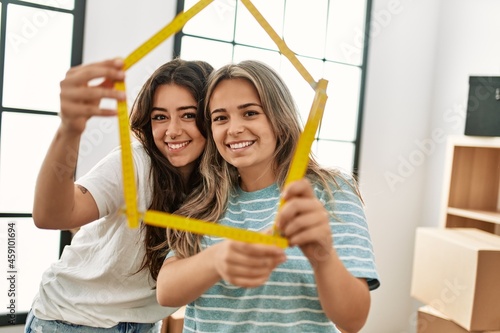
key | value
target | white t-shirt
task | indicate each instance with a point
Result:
(95, 281)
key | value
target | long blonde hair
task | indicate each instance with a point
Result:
(221, 178)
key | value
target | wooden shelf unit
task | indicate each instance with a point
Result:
(471, 192)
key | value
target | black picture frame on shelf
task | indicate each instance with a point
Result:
(483, 106)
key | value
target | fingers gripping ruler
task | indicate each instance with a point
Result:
(299, 162)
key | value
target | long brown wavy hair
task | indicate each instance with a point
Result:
(220, 177)
(169, 189)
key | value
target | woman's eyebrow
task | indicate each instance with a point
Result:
(246, 105)
(218, 110)
(240, 107)
(181, 108)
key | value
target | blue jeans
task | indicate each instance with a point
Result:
(35, 325)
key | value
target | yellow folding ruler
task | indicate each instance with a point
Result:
(299, 162)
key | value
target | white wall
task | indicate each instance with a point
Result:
(468, 45)
(417, 90)
(421, 53)
(397, 110)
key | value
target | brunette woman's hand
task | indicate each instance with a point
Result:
(305, 222)
(247, 265)
(80, 98)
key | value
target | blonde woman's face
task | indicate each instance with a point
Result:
(241, 130)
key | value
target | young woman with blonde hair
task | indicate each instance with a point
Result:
(321, 282)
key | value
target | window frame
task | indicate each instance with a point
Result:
(363, 67)
(78, 13)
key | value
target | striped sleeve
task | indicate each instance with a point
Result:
(351, 236)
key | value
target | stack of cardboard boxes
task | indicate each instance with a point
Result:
(456, 267)
(456, 274)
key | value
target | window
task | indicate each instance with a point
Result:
(39, 41)
(326, 35)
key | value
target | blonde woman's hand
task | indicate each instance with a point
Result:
(305, 222)
(80, 99)
(247, 265)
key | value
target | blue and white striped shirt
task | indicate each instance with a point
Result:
(288, 301)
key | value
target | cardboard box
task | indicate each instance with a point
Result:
(430, 320)
(457, 272)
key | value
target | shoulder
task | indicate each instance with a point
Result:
(141, 156)
(138, 149)
(340, 184)
(114, 157)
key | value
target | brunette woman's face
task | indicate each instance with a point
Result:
(241, 130)
(173, 123)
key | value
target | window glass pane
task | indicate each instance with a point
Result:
(302, 92)
(63, 4)
(35, 249)
(271, 58)
(341, 110)
(327, 36)
(24, 140)
(305, 27)
(37, 56)
(250, 32)
(334, 154)
(346, 30)
(214, 21)
(215, 53)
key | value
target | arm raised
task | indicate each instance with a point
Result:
(58, 202)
